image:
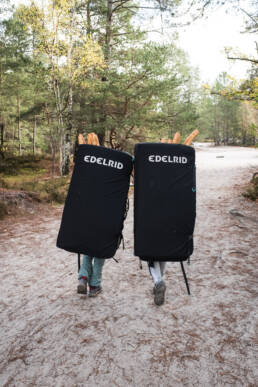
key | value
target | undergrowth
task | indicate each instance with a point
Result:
(50, 190)
(252, 190)
(15, 165)
(3, 209)
(31, 174)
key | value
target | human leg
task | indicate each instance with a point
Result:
(96, 277)
(157, 270)
(84, 274)
(86, 267)
(162, 267)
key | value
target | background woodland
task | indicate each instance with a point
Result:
(81, 66)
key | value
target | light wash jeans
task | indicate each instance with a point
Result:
(92, 269)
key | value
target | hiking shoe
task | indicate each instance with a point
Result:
(94, 291)
(159, 293)
(82, 286)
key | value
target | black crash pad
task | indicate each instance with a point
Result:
(94, 210)
(164, 201)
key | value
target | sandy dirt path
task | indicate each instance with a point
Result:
(51, 336)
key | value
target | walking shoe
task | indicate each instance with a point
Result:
(159, 292)
(94, 291)
(82, 286)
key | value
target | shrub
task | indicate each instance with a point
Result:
(252, 189)
(3, 209)
(3, 184)
(13, 165)
(57, 189)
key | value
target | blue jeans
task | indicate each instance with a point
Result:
(92, 269)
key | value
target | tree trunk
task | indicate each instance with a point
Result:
(108, 30)
(34, 135)
(243, 132)
(53, 160)
(60, 122)
(227, 133)
(2, 135)
(107, 51)
(2, 140)
(68, 131)
(216, 126)
(19, 123)
(76, 144)
(67, 139)
(52, 141)
(88, 28)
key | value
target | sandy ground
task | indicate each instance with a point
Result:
(51, 336)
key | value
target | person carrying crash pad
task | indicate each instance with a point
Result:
(90, 272)
(153, 243)
(95, 209)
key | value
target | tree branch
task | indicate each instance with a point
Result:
(245, 59)
(250, 16)
(233, 97)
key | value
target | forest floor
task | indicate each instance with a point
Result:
(51, 336)
(27, 182)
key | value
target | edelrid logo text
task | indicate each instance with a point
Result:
(168, 159)
(102, 161)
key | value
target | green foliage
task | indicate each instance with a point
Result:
(55, 190)
(252, 190)
(225, 120)
(30, 174)
(67, 69)
(3, 209)
(79, 66)
(27, 164)
(50, 190)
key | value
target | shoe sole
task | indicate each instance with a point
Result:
(95, 294)
(81, 289)
(159, 295)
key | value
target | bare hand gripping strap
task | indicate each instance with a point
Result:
(165, 201)
(93, 215)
